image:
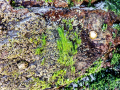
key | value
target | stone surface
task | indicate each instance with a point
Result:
(22, 65)
(20, 50)
(60, 3)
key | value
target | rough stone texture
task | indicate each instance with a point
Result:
(60, 3)
(22, 48)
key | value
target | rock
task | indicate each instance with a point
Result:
(22, 65)
(20, 11)
(80, 65)
(1, 68)
(117, 40)
(32, 66)
(77, 3)
(60, 3)
(0, 31)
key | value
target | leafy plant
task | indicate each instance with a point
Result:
(113, 5)
(66, 48)
(104, 81)
(117, 26)
(68, 23)
(59, 75)
(104, 27)
(39, 84)
(115, 59)
(114, 35)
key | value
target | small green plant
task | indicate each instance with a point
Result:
(39, 84)
(13, 3)
(73, 69)
(115, 59)
(60, 76)
(117, 26)
(68, 23)
(113, 5)
(104, 27)
(104, 81)
(114, 35)
(43, 61)
(66, 48)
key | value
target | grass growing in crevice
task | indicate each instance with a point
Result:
(38, 84)
(66, 48)
(68, 23)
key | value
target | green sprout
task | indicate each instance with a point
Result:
(114, 35)
(104, 27)
(59, 75)
(43, 61)
(39, 84)
(68, 23)
(66, 48)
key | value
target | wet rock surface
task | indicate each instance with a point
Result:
(19, 60)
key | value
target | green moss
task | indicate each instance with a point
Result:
(43, 61)
(73, 69)
(39, 50)
(66, 49)
(59, 75)
(39, 84)
(97, 66)
(115, 59)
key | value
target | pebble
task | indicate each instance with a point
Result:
(0, 31)
(22, 65)
(32, 67)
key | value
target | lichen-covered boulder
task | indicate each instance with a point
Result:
(56, 48)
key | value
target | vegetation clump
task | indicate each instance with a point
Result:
(113, 5)
(66, 48)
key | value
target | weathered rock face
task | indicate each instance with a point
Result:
(34, 52)
(90, 49)
(56, 3)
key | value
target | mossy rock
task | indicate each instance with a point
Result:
(61, 53)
